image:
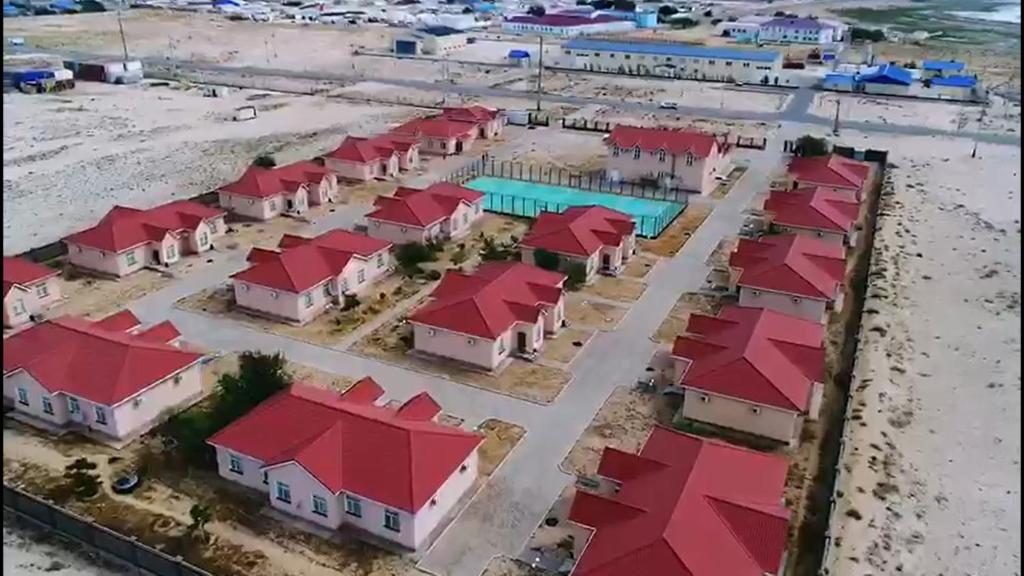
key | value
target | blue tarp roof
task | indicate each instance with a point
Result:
(839, 78)
(889, 74)
(518, 54)
(959, 81)
(665, 49)
(943, 65)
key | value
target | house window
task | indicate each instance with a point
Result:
(284, 492)
(244, 287)
(636, 153)
(661, 155)
(101, 415)
(471, 341)
(73, 406)
(376, 223)
(689, 159)
(392, 521)
(795, 300)
(204, 239)
(344, 285)
(136, 402)
(755, 409)
(501, 346)
(307, 299)
(327, 290)
(380, 257)
(42, 290)
(705, 399)
(431, 332)
(273, 294)
(755, 292)
(47, 405)
(319, 506)
(266, 477)
(353, 506)
(403, 229)
(213, 226)
(361, 276)
(235, 464)
(171, 252)
(463, 469)
(615, 151)
(129, 258)
(273, 205)
(22, 396)
(19, 307)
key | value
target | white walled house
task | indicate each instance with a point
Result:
(379, 157)
(481, 319)
(798, 31)
(54, 376)
(305, 276)
(29, 289)
(441, 211)
(344, 461)
(818, 212)
(677, 158)
(264, 193)
(599, 238)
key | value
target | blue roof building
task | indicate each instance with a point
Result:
(888, 74)
(944, 66)
(955, 81)
(518, 54)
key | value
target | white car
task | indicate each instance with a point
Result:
(668, 105)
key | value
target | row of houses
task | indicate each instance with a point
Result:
(940, 80)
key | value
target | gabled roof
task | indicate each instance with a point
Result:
(834, 171)
(489, 301)
(687, 507)
(889, 74)
(24, 272)
(303, 263)
(671, 140)
(816, 208)
(943, 65)
(398, 458)
(435, 127)
(92, 360)
(579, 231)
(791, 264)
(258, 182)
(365, 150)
(474, 113)
(955, 81)
(421, 208)
(796, 24)
(123, 228)
(753, 354)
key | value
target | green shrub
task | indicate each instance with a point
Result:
(82, 482)
(264, 161)
(577, 276)
(546, 259)
(351, 301)
(432, 275)
(808, 145)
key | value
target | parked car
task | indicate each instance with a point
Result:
(668, 105)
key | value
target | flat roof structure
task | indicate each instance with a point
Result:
(671, 49)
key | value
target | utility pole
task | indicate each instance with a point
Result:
(540, 72)
(835, 122)
(120, 27)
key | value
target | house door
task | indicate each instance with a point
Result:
(458, 146)
(156, 256)
(289, 205)
(521, 341)
(606, 261)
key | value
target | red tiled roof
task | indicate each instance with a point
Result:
(421, 208)
(361, 150)
(123, 321)
(303, 263)
(164, 333)
(753, 354)
(671, 140)
(436, 127)
(85, 359)
(817, 208)
(687, 507)
(791, 264)
(834, 170)
(258, 182)
(474, 113)
(579, 231)
(123, 228)
(24, 272)
(489, 301)
(349, 444)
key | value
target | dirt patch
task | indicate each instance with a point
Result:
(723, 188)
(582, 312)
(505, 566)
(568, 344)
(464, 252)
(533, 382)
(624, 422)
(640, 265)
(719, 257)
(93, 297)
(621, 289)
(244, 235)
(326, 329)
(675, 323)
(676, 235)
(500, 438)
(367, 192)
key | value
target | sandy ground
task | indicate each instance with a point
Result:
(505, 566)
(58, 159)
(621, 289)
(678, 232)
(29, 551)
(567, 346)
(584, 312)
(675, 323)
(931, 478)
(1001, 116)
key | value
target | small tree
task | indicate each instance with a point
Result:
(536, 10)
(265, 161)
(577, 276)
(200, 515)
(665, 11)
(409, 257)
(546, 259)
(81, 481)
(351, 301)
(808, 145)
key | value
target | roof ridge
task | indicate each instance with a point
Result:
(714, 504)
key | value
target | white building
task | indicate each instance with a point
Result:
(567, 25)
(797, 31)
(434, 40)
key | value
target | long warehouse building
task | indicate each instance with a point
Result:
(673, 60)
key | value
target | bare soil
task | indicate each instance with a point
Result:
(723, 188)
(505, 566)
(582, 312)
(567, 345)
(676, 235)
(620, 289)
(500, 438)
(94, 297)
(640, 265)
(675, 323)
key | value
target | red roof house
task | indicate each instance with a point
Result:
(352, 454)
(359, 158)
(833, 171)
(821, 212)
(306, 275)
(790, 273)
(583, 233)
(442, 210)
(29, 288)
(69, 370)
(756, 357)
(158, 235)
(440, 134)
(680, 158)
(488, 120)
(686, 506)
(263, 193)
(472, 317)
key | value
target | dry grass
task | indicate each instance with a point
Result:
(243, 235)
(624, 422)
(505, 566)
(94, 297)
(228, 364)
(568, 344)
(675, 236)
(723, 188)
(367, 192)
(500, 438)
(719, 257)
(582, 312)
(640, 265)
(326, 329)
(621, 289)
(465, 252)
(519, 378)
(675, 323)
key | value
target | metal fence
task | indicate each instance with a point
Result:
(647, 226)
(128, 549)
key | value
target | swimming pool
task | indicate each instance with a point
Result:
(521, 198)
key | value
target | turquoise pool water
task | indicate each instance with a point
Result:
(520, 198)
